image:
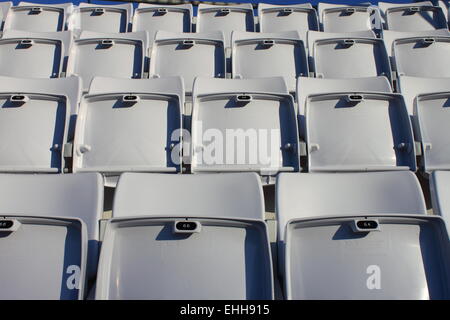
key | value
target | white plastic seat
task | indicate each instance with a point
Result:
(348, 55)
(4, 8)
(418, 16)
(153, 18)
(422, 56)
(440, 195)
(358, 132)
(34, 124)
(359, 236)
(129, 125)
(243, 125)
(280, 18)
(186, 237)
(390, 36)
(188, 55)
(411, 87)
(119, 55)
(227, 19)
(33, 55)
(346, 18)
(52, 247)
(69, 87)
(432, 113)
(311, 86)
(259, 55)
(38, 17)
(102, 18)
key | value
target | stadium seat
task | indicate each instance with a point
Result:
(119, 55)
(188, 55)
(419, 16)
(102, 18)
(129, 125)
(259, 55)
(390, 36)
(357, 131)
(422, 56)
(34, 124)
(237, 17)
(431, 111)
(153, 18)
(34, 54)
(338, 232)
(231, 120)
(38, 17)
(49, 234)
(348, 55)
(186, 237)
(280, 18)
(69, 87)
(312, 86)
(411, 87)
(4, 8)
(346, 18)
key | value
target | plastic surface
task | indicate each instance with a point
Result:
(359, 132)
(346, 18)
(119, 55)
(98, 18)
(143, 127)
(368, 265)
(188, 55)
(280, 18)
(153, 18)
(33, 54)
(219, 107)
(37, 17)
(230, 18)
(309, 86)
(344, 57)
(234, 195)
(422, 56)
(432, 115)
(41, 256)
(33, 131)
(142, 258)
(253, 56)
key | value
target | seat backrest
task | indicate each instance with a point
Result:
(344, 57)
(144, 126)
(367, 227)
(250, 120)
(359, 132)
(211, 219)
(102, 18)
(34, 55)
(155, 17)
(440, 192)
(230, 18)
(422, 56)
(188, 55)
(346, 18)
(280, 18)
(120, 55)
(259, 55)
(53, 245)
(69, 87)
(414, 17)
(310, 86)
(37, 17)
